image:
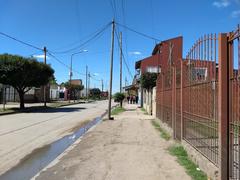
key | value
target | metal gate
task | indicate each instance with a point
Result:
(234, 103)
(200, 122)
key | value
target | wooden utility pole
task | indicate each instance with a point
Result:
(102, 85)
(44, 87)
(89, 83)
(111, 72)
(4, 96)
(120, 62)
(86, 82)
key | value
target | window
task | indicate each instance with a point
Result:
(153, 69)
(199, 74)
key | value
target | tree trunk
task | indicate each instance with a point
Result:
(21, 98)
(121, 104)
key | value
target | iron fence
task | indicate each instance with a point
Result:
(199, 98)
(200, 123)
(234, 103)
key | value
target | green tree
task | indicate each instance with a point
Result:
(73, 88)
(95, 93)
(53, 81)
(119, 97)
(148, 80)
(23, 73)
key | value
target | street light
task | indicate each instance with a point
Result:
(70, 73)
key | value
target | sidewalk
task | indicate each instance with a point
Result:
(128, 148)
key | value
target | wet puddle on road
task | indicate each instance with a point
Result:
(40, 158)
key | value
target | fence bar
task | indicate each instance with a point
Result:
(223, 101)
(174, 101)
(181, 100)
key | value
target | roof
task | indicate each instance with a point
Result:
(76, 81)
(159, 44)
(130, 87)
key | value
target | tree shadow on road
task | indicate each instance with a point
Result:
(56, 110)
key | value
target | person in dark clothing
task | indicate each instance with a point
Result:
(137, 99)
(128, 98)
(134, 99)
(131, 99)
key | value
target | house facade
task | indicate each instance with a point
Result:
(164, 54)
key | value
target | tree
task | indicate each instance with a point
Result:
(148, 80)
(23, 73)
(53, 81)
(73, 88)
(95, 93)
(119, 97)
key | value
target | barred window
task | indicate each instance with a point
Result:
(199, 74)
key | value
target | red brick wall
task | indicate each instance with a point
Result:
(162, 58)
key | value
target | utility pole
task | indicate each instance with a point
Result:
(4, 96)
(102, 85)
(89, 76)
(44, 87)
(86, 82)
(120, 62)
(111, 72)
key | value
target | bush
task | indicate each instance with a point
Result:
(148, 80)
(119, 97)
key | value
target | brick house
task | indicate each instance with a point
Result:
(163, 55)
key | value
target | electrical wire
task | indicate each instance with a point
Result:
(95, 78)
(113, 8)
(96, 35)
(65, 65)
(20, 41)
(124, 60)
(137, 32)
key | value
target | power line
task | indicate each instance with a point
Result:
(65, 65)
(113, 6)
(95, 78)
(96, 35)
(140, 33)
(20, 41)
(124, 60)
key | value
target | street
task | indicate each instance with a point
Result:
(21, 134)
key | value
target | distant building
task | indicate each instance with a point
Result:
(78, 95)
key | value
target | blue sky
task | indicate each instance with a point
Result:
(62, 24)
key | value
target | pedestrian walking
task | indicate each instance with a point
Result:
(134, 99)
(137, 99)
(131, 99)
(128, 98)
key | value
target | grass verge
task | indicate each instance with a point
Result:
(163, 133)
(35, 108)
(144, 111)
(117, 110)
(183, 159)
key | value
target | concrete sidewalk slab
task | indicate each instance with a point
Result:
(128, 148)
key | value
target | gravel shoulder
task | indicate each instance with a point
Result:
(128, 148)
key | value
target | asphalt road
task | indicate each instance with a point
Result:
(21, 134)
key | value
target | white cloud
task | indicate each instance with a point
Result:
(96, 74)
(235, 14)
(221, 3)
(40, 56)
(135, 53)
